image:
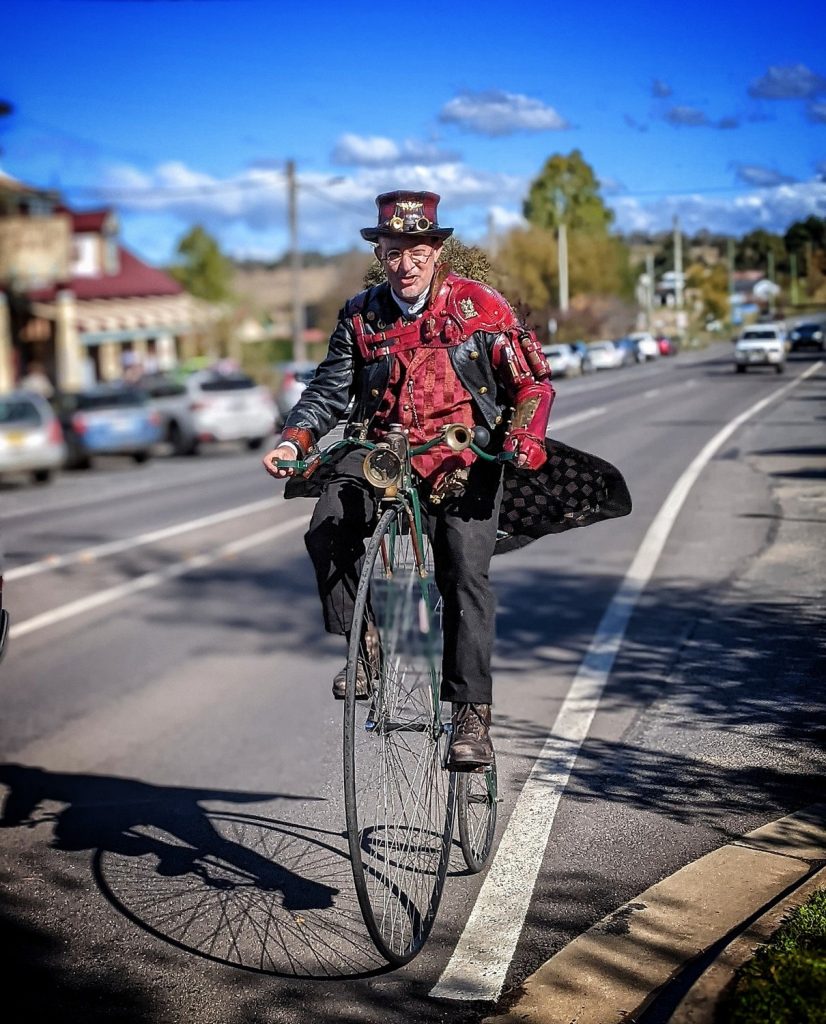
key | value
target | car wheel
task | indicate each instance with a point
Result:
(141, 457)
(42, 476)
(779, 368)
(739, 369)
(254, 443)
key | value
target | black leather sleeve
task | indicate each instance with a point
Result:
(328, 394)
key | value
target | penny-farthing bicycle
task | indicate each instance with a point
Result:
(400, 800)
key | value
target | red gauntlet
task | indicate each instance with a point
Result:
(530, 421)
(300, 437)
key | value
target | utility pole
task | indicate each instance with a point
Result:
(730, 262)
(649, 296)
(491, 233)
(299, 345)
(795, 293)
(562, 252)
(680, 318)
(770, 262)
(678, 265)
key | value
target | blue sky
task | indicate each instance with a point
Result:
(184, 111)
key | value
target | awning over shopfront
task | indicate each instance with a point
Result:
(120, 320)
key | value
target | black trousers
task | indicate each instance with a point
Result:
(463, 534)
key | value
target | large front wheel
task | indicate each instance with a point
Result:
(399, 799)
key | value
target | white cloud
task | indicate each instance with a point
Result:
(376, 151)
(761, 177)
(817, 112)
(497, 113)
(771, 208)
(688, 117)
(249, 209)
(795, 82)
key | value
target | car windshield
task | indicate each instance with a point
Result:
(110, 400)
(602, 346)
(236, 382)
(18, 411)
(760, 335)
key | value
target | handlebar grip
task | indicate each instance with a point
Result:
(299, 464)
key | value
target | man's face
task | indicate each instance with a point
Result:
(410, 264)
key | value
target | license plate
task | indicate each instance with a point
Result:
(16, 437)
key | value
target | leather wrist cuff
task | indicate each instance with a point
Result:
(300, 437)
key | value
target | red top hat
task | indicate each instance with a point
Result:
(407, 214)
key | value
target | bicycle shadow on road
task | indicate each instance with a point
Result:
(267, 896)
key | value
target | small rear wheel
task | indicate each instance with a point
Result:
(476, 809)
(141, 457)
(740, 368)
(42, 476)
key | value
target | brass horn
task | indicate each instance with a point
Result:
(457, 436)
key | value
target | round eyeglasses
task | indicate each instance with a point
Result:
(393, 257)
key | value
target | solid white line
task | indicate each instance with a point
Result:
(152, 579)
(579, 417)
(480, 962)
(116, 546)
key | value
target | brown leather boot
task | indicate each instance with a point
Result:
(365, 673)
(471, 745)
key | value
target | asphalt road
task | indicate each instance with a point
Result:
(172, 843)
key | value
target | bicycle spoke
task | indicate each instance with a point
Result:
(399, 798)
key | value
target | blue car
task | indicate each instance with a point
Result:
(108, 420)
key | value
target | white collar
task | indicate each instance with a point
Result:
(411, 308)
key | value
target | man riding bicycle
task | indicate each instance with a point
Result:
(424, 349)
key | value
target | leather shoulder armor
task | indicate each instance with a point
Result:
(478, 307)
(359, 302)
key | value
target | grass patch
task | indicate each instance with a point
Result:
(785, 982)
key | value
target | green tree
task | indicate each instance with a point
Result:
(203, 270)
(711, 283)
(752, 252)
(567, 189)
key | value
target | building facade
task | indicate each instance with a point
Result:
(81, 305)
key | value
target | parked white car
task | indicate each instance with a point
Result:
(605, 355)
(564, 360)
(31, 438)
(211, 406)
(762, 345)
(646, 344)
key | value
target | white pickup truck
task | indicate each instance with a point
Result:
(761, 345)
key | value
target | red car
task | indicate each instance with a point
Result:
(665, 345)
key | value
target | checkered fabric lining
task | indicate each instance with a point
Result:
(572, 489)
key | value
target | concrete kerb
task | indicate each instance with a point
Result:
(613, 972)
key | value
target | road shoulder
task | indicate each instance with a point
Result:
(612, 972)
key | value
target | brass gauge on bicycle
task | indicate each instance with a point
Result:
(382, 467)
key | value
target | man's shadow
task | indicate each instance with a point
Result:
(183, 872)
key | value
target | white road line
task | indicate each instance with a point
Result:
(480, 962)
(651, 393)
(579, 417)
(152, 579)
(114, 547)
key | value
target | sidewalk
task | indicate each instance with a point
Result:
(614, 971)
(688, 933)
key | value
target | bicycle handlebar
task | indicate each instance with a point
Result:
(302, 465)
